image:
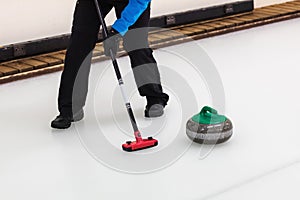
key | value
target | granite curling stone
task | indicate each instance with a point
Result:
(208, 127)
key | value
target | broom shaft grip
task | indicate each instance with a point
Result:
(103, 24)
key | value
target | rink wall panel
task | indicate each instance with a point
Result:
(22, 21)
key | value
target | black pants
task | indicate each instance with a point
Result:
(74, 80)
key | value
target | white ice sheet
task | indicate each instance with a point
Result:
(260, 73)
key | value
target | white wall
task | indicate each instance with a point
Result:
(261, 3)
(24, 20)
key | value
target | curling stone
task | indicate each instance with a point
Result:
(208, 127)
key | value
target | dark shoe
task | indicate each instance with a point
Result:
(155, 110)
(64, 122)
(61, 122)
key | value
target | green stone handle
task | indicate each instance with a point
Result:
(208, 115)
(208, 111)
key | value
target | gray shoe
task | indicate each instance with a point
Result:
(155, 110)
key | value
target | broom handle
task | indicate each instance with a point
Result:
(137, 133)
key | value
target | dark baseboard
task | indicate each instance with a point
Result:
(203, 14)
(60, 42)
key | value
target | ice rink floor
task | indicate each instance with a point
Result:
(257, 75)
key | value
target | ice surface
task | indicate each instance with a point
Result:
(260, 71)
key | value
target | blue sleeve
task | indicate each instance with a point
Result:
(130, 15)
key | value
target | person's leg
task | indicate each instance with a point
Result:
(74, 79)
(143, 63)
